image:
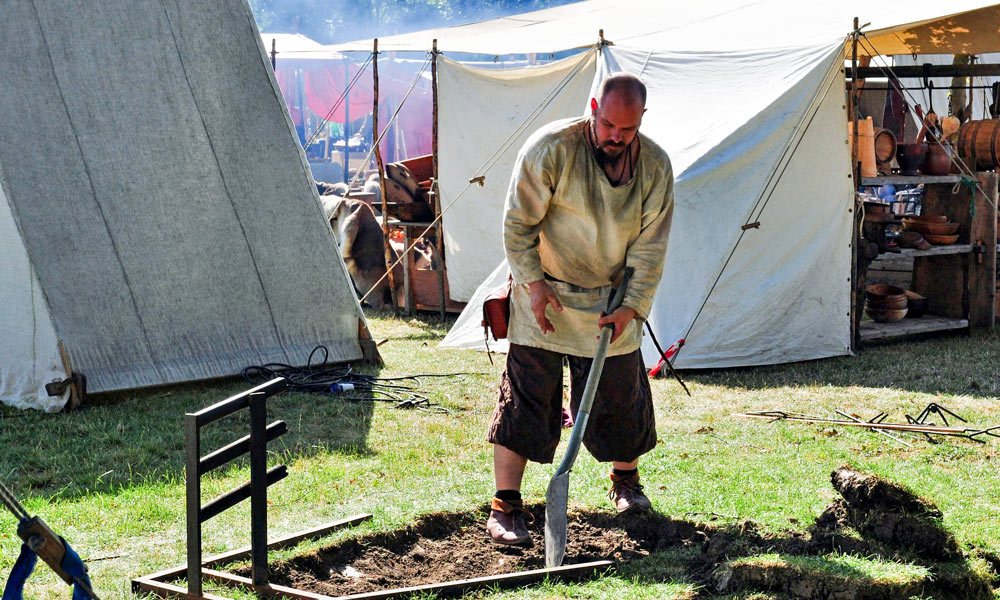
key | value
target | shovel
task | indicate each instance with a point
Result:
(558, 492)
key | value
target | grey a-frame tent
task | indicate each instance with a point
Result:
(157, 217)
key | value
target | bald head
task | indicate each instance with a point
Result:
(617, 113)
(627, 85)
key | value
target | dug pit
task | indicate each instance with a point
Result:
(446, 547)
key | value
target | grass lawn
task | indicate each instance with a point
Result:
(110, 478)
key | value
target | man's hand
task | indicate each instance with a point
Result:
(541, 296)
(620, 318)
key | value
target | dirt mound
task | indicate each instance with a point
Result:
(802, 583)
(891, 515)
(864, 491)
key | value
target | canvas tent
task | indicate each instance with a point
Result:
(156, 214)
(748, 98)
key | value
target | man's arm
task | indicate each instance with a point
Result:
(527, 202)
(647, 253)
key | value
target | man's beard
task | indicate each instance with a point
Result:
(617, 151)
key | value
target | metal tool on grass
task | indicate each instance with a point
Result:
(558, 493)
(46, 544)
(969, 433)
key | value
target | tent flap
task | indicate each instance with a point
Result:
(484, 118)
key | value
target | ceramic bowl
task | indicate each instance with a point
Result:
(887, 303)
(885, 316)
(910, 157)
(916, 305)
(932, 228)
(927, 218)
(879, 291)
(941, 240)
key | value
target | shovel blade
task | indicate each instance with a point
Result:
(555, 520)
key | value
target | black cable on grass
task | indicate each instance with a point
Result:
(344, 381)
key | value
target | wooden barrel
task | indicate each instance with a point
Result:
(885, 146)
(981, 139)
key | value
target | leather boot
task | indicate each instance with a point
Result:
(508, 523)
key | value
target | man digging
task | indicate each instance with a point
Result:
(588, 197)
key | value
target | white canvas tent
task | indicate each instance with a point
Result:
(156, 213)
(748, 98)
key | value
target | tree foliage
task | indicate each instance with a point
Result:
(332, 21)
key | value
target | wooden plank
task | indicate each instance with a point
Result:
(166, 590)
(75, 393)
(909, 179)
(982, 267)
(932, 251)
(870, 330)
(892, 262)
(462, 585)
(242, 553)
(920, 71)
(268, 590)
(287, 541)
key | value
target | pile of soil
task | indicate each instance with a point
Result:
(890, 514)
(874, 518)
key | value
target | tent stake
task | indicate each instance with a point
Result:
(386, 243)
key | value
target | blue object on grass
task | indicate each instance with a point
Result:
(25, 564)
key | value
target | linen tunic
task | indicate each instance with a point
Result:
(562, 217)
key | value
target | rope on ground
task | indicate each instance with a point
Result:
(343, 381)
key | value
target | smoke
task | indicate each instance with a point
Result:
(335, 21)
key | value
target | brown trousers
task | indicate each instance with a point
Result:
(528, 416)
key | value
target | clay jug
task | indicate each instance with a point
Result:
(938, 159)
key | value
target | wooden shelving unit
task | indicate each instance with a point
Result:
(870, 330)
(958, 280)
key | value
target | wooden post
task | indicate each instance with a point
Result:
(982, 262)
(192, 485)
(274, 52)
(347, 120)
(258, 488)
(852, 115)
(435, 189)
(381, 180)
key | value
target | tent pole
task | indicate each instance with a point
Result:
(852, 109)
(435, 189)
(347, 119)
(387, 245)
(274, 53)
